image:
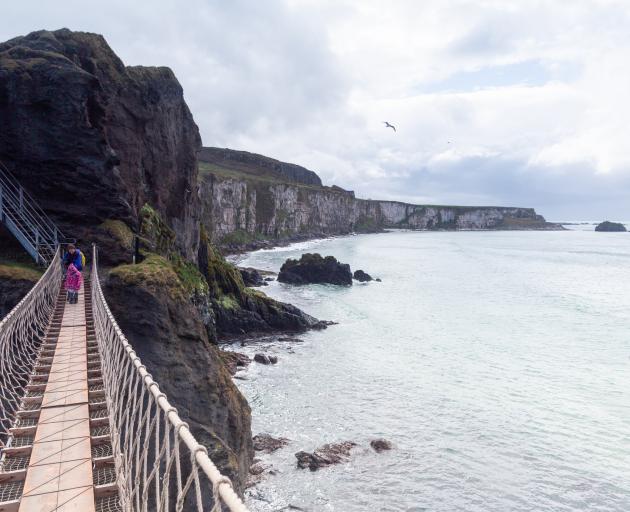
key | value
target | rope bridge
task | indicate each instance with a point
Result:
(69, 376)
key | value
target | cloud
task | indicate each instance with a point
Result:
(531, 95)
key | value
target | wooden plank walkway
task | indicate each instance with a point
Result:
(60, 455)
(59, 476)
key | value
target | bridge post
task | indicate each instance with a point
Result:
(39, 258)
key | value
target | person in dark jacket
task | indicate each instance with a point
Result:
(73, 256)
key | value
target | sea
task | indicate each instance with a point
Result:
(496, 363)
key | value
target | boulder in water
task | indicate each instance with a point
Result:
(324, 456)
(313, 268)
(361, 276)
(235, 360)
(262, 359)
(380, 445)
(268, 444)
(610, 226)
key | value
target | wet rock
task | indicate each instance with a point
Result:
(235, 361)
(273, 359)
(361, 276)
(324, 456)
(610, 226)
(269, 444)
(258, 471)
(380, 445)
(378, 279)
(251, 277)
(313, 268)
(262, 359)
(323, 324)
(290, 339)
(269, 279)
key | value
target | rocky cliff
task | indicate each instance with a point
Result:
(244, 209)
(94, 140)
(110, 151)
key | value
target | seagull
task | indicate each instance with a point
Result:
(387, 125)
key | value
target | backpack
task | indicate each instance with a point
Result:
(82, 260)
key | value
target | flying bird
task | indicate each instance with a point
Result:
(387, 125)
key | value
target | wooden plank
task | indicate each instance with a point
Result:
(59, 476)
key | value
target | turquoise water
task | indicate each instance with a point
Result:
(498, 363)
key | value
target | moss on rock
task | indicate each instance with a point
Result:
(155, 235)
(120, 231)
(155, 273)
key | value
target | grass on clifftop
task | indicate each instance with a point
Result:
(10, 269)
(179, 279)
(206, 168)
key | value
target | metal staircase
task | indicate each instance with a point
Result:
(22, 216)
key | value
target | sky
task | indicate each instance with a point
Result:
(495, 102)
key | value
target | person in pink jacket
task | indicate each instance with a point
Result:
(73, 283)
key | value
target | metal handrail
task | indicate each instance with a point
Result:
(37, 233)
(8, 177)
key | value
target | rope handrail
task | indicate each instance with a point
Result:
(158, 460)
(22, 332)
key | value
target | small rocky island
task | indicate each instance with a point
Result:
(608, 226)
(313, 268)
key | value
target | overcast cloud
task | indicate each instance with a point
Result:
(533, 96)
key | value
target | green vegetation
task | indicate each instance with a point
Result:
(120, 231)
(155, 233)
(19, 270)
(206, 168)
(190, 276)
(154, 272)
(238, 237)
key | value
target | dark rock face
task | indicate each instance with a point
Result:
(262, 359)
(235, 361)
(324, 456)
(258, 165)
(251, 277)
(12, 289)
(380, 445)
(269, 444)
(152, 308)
(237, 310)
(93, 140)
(610, 226)
(265, 359)
(312, 268)
(362, 277)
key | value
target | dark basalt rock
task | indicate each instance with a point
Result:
(313, 268)
(610, 227)
(380, 445)
(262, 359)
(324, 456)
(165, 329)
(235, 360)
(269, 444)
(361, 276)
(251, 277)
(94, 140)
(265, 359)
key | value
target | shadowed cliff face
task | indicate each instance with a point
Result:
(152, 307)
(94, 140)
